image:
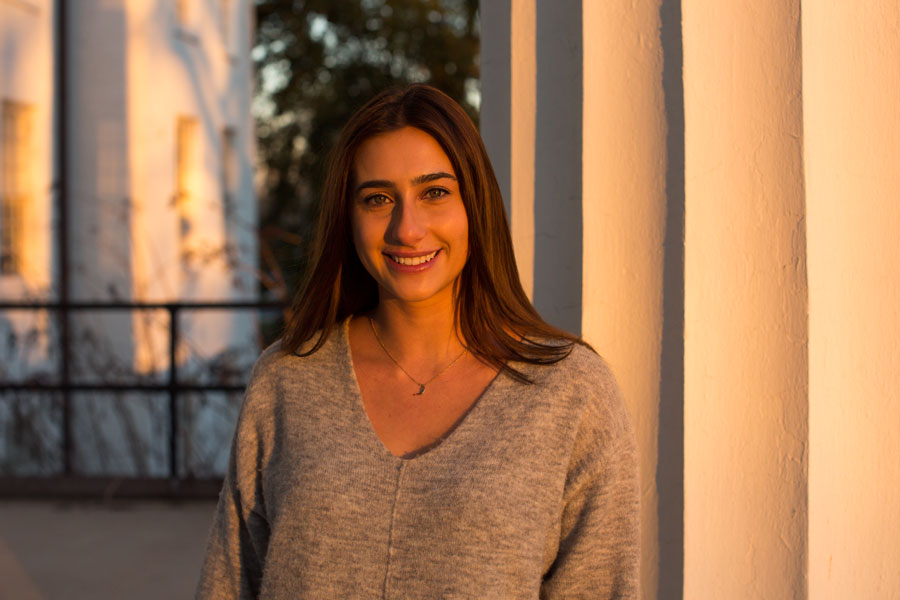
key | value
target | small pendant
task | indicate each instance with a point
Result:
(421, 390)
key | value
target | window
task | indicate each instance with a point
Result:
(15, 132)
(185, 176)
(185, 21)
(229, 168)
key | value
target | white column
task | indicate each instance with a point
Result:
(584, 146)
(531, 122)
(523, 112)
(852, 148)
(745, 301)
(508, 71)
(624, 220)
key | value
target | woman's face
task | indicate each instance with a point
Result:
(409, 222)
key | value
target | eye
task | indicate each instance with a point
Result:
(377, 200)
(435, 193)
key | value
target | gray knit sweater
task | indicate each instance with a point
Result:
(533, 494)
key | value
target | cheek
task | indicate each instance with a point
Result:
(463, 232)
(359, 238)
(464, 240)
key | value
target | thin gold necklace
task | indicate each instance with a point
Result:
(405, 372)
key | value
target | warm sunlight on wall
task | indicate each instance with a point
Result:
(757, 347)
(623, 152)
(745, 302)
(177, 79)
(151, 217)
(26, 181)
(26, 152)
(851, 87)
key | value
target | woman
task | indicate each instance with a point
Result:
(420, 432)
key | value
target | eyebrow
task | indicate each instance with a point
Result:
(418, 180)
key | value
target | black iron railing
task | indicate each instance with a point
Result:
(67, 484)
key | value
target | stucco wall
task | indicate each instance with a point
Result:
(745, 301)
(763, 377)
(624, 215)
(131, 81)
(208, 79)
(26, 78)
(851, 86)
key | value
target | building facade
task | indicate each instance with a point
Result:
(136, 115)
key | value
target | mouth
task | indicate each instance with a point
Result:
(412, 261)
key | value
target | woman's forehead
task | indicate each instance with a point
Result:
(402, 153)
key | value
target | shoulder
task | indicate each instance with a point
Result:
(272, 361)
(267, 360)
(584, 382)
(587, 371)
(276, 370)
(582, 373)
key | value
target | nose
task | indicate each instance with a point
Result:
(407, 223)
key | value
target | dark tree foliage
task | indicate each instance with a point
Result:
(319, 60)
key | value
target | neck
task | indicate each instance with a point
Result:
(418, 333)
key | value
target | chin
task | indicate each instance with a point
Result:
(410, 294)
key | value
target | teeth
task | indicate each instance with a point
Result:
(410, 261)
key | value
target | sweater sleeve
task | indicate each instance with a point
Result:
(238, 539)
(598, 554)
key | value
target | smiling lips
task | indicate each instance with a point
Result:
(412, 261)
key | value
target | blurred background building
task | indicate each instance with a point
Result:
(135, 116)
(26, 171)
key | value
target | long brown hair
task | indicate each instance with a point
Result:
(496, 319)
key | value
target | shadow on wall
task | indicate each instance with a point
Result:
(557, 184)
(670, 463)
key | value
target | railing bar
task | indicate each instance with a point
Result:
(173, 390)
(117, 387)
(138, 305)
(62, 206)
(66, 387)
(64, 378)
(109, 487)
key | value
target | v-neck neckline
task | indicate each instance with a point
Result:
(446, 439)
